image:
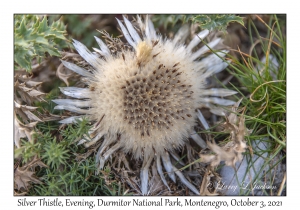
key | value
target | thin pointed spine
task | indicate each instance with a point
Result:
(168, 165)
(94, 140)
(126, 34)
(103, 47)
(73, 102)
(71, 109)
(221, 92)
(213, 63)
(219, 111)
(181, 34)
(177, 158)
(87, 55)
(77, 69)
(160, 171)
(107, 154)
(144, 175)
(219, 101)
(202, 119)
(197, 39)
(150, 30)
(107, 141)
(70, 120)
(204, 49)
(195, 136)
(99, 51)
(135, 36)
(218, 67)
(76, 92)
(185, 181)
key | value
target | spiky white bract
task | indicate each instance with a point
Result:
(143, 100)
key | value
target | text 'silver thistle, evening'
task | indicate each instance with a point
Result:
(143, 98)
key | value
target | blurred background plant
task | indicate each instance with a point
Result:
(209, 22)
(48, 160)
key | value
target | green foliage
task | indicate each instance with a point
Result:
(29, 150)
(262, 84)
(76, 179)
(77, 131)
(55, 154)
(79, 27)
(216, 22)
(266, 83)
(170, 20)
(52, 186)
(65, 174)
(210, 22)
(34, 37)
(73, 177)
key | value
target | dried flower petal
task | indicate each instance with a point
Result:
(24, 175)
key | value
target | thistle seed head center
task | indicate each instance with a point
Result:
(157, 101)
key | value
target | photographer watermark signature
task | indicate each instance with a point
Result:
(242, 186)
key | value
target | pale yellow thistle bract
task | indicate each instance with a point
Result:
(143, 52)
(143, 100)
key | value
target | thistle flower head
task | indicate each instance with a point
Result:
(143, 97)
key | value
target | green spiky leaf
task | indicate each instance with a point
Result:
(210, 22)
(33, 38)
(216, 22)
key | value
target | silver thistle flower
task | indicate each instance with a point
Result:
(143, 98)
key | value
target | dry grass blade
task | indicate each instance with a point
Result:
(282, 185)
